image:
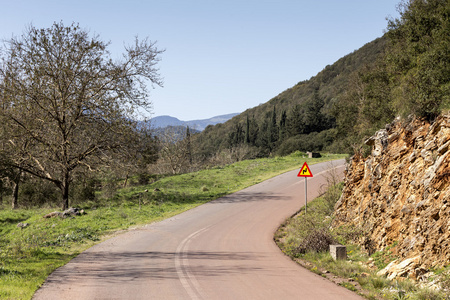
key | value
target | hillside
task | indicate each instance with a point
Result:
(284, 123)
(407, 71)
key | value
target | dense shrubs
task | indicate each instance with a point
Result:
(35, 193)
(315, 141)
(318, 240)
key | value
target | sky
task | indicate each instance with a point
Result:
(223, 56)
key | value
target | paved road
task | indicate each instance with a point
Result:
(220, 250)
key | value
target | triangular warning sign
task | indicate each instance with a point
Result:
(305, 171)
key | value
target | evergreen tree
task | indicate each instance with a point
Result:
(263, 139)
(247, 131)
(375, 100)
(252, 131)
(295, 122)
(419, 57)
(282, 126)
(273, 130)
(313, 117)
(236, 136)
(188, 145)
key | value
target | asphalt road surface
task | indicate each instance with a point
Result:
(220, 250)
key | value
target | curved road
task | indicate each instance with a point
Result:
(220, 250)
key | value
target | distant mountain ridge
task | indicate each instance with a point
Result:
(165, 121)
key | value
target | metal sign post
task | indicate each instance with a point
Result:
(305, 172)
(306, 194)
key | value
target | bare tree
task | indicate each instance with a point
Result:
(174, 151)
(10, 177)
(61, 91)
(142, 151)
(11, 157)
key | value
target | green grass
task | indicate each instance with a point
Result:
(354, 272)
(29, 255)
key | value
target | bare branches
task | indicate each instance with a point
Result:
(61, 92)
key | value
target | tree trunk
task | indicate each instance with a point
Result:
(65, 191)
(126, 181)
(15, 201)
(1, 191)
(16, 184)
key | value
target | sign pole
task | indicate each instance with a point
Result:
(306, 194)
(305, 172)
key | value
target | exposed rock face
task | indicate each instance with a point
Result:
(401, 193)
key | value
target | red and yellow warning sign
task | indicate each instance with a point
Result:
(305, 171)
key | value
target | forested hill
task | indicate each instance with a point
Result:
(406, 72)
(300, 118)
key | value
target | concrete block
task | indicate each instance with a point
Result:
(313, 154)
(338, 252)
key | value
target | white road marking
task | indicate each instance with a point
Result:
(187, 279)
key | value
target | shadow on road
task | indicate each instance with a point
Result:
(250, 197)
(107, 268)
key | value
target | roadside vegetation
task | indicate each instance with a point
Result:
(306, 239)
(29, 254)
(69, 137)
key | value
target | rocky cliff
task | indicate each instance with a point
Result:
(400, 195)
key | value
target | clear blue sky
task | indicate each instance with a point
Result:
(221, 56)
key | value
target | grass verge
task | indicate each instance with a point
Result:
(306, 239)
(28, 255)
